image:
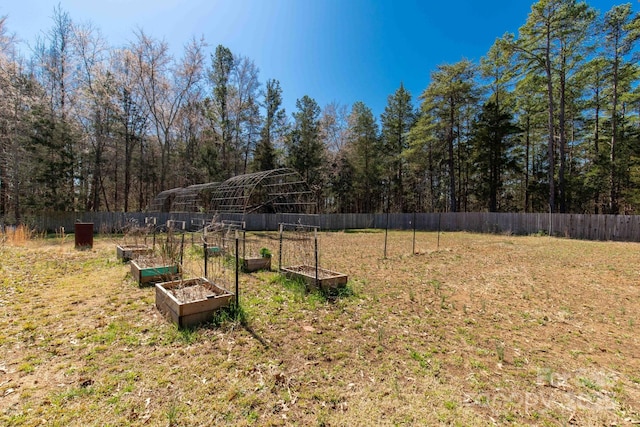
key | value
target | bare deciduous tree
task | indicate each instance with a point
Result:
(165, 85)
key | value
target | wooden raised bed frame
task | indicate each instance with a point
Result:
(129, 252)
(327, 279)
(250, 265)
(155, 273)
(192, 301)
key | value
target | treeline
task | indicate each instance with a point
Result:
(549, 119)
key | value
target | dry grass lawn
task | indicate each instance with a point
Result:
(484, 330)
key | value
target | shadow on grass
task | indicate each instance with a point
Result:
(254, 334)
(234, 315)
(340, 292)
(364, 231)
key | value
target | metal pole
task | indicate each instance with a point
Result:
(280, 251)
(315, 236)
(244, 240)
(181, 250)
(244, 244)
(386, 228)
(439, 221)
(414, 232)
(206, 258)
(237, 274)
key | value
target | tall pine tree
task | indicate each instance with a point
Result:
(304, 146)
(365, 158)
(397, 119)
(264, 157)
(493, 142)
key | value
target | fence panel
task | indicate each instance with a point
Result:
(576, 226)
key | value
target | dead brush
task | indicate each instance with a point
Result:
(16, 236)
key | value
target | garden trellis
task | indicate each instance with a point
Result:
(164, 200)
(194, 198)
(162, 262)
(273, 191)
(298, 245)
(218, 236)
(221, 247)
(299, 257)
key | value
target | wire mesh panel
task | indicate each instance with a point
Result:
(298, 245)
(170, 246)
(194, 198)
(299, 257)
(135, 241)
(259, 245)
(278, 190)
(218, 236)
(256, 251)
(135, 233)
(221, 270)
(194, 298)
(221, 256)
(162, 262)
(274, 191)
(164, 200)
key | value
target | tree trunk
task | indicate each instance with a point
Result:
(563, 140)
(596, 146)
(452, 171)
(526, 164)
(127, 168)
(613, 196)
(550, 144)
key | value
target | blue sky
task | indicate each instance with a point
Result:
(332, 50)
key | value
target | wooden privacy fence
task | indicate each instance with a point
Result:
(575, 226)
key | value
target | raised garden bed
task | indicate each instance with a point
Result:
(192, 301)
(215, 250)
(327, 279)
(250, 265)
(150, 270)
(129, 252)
